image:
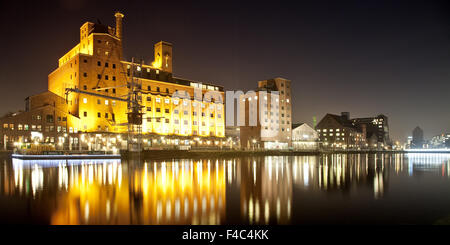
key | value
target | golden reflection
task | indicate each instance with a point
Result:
(257, 190)
(177, 192)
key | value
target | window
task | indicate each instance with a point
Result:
(149, 98)
(167, 90)
(212, 115)
(19, 127)
(5, 125)
(176, 121)
(99, 114)
(84, 87)
(157, 89)
(106, 64)
(99, 76)
(158, 100)
(98, 102)
(85, 114)
(106, 77)
(185, 122)
(106, 102)
(85, 60)
(85, 74)
(176, 111)
(98, 62)
(49, 118)
(185, 113)
(85, 100)
(149, 88)
(167, 110)
(113, 116)
(114, 78)
(167, 120)
(114, 66)
(149, 108)
(113, 103)
(158, 109)
(106, 114)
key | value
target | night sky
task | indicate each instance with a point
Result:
(366, 57)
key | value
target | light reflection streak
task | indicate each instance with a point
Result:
(194, 191)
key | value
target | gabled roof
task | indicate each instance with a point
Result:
(341, 120)
(295, 125)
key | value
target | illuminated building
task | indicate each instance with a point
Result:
(267, 115)
(376, 128)
(98, 78)
(338, 132)
(304, 137)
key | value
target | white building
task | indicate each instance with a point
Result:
(304, 137)
(266, 116)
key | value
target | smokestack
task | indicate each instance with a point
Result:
(119, 16)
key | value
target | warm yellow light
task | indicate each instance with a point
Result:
(156, 64)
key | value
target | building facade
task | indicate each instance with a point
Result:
(267, 116)
(338, 132)
(417, 138)
(304, 137)
(94, 82)
(377, 130)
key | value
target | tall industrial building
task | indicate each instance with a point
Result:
(270, 105)
(91, 89)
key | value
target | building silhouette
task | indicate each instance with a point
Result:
(417, 138)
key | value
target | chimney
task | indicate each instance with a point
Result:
(345, 115)
(119, 16)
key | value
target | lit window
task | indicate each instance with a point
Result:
(167, 101)
(85, 100)
(158, 100)
(106, 102)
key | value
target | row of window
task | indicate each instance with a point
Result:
(331, 134)
(99, 115)
(47, 128)
(194, 113)
(330, 130)
(176, 121)
(99, 63)
(99, 102)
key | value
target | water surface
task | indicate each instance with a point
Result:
(326, 189)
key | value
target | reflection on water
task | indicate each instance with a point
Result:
(259, 190)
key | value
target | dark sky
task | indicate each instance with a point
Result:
(365, 57)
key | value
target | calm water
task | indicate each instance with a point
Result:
(327, 189)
